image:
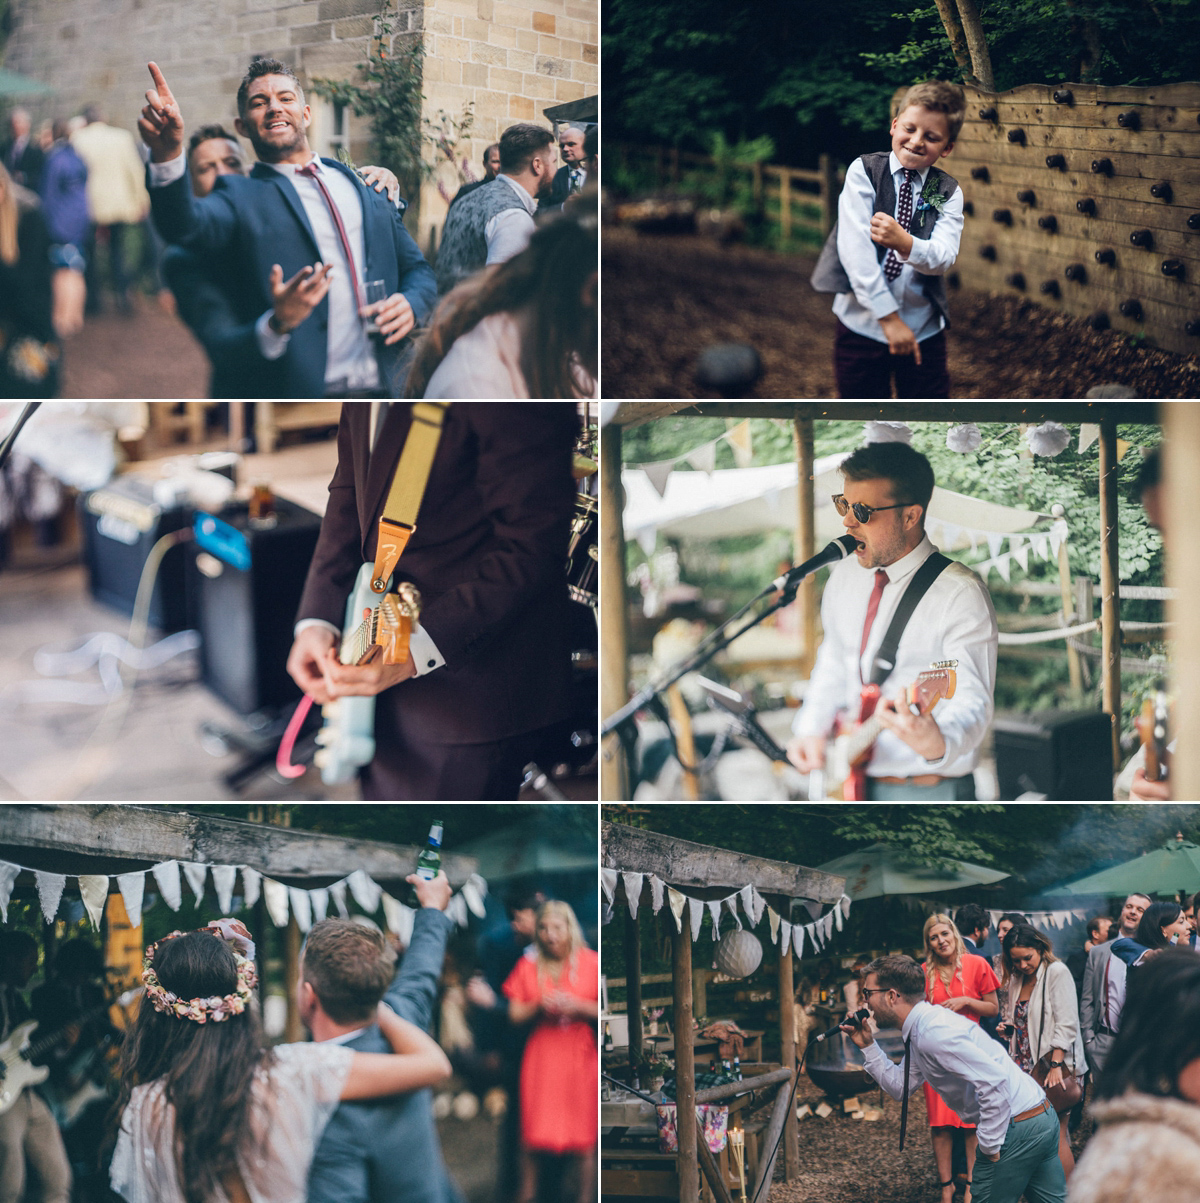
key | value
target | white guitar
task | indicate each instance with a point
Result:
(17, 1053)
(377, 625)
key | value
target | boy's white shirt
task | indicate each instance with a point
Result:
(874, 296)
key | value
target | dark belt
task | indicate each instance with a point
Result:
(1101, 1030)
(340, 388)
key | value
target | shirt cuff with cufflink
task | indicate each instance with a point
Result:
(162, 174)
(271, 345)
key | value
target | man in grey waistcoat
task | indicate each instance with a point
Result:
(1102, 997)
(495, 222)
(377, 1150)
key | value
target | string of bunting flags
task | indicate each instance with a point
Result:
(754, 906)
(305, 905)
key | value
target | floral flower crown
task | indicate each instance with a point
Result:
(201, 1010)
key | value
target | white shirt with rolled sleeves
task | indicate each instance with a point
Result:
(976, 1078)
(953, 621)
(874, 296)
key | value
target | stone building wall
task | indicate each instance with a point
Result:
(512, 59)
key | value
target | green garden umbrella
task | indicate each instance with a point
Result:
(882, 869)
(1165, 871)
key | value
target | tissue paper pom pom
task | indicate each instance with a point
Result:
(887, 432)
(963, 438)
(1049, 439)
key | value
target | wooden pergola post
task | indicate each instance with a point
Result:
(787, 1055)
(613, 692)
(1181, 441)
(806, 539)
(1110, 600)
(687, 1163)
(633, 987)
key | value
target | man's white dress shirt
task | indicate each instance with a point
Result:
(874, 296)
(953, 621)
(509, 232)
(349, 356)
(976, 1078)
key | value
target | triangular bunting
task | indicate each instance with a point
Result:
(337, 892)
(658, 474)
(1057, 533)
(93, 889)
(251, 886)
(739, 439)
(457, 910)
(1041, 546)
(1122, 448)
(703, 459)
(1089, 432)
(301, 907)
(608, 883)
(49, 888)
(320, 903)
(995, 542)
(8, 875)
(785, 938)
(1004, 566)
(398, 917)
(773, 918)
(731, 902)
(169, 884)
(798, 941)
(696, 916)
(1021, 555)
(224, 877)
(473, 898)
(275, 895)
(366, 892)
(195, 874)
(714, 913)
(656, 892)
(633, 891)
(133, 890)
(676, 901)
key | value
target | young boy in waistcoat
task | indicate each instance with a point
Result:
(899, 223)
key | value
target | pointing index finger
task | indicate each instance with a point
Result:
(160, 84)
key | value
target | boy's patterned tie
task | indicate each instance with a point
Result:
(892, 265)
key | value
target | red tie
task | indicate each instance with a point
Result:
(310, 170)
(881, 580)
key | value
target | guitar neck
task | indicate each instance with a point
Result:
(355, 645)
(862, 739)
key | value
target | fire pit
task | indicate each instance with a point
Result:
(836, 1064)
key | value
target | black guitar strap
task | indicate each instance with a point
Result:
(885, 657)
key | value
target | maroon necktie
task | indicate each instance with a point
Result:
(892, 265)
(881, 580)
(310, 170)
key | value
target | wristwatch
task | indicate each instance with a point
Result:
(1055, 1064)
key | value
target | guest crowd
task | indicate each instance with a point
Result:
(296, 274)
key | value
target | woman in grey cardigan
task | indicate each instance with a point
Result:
(1040, 1018)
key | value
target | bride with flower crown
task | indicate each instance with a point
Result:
(209, 1114)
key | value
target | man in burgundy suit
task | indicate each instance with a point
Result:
(489, 668)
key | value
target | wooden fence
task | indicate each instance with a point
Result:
(793, 189)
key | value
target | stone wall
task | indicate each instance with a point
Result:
(512, 59)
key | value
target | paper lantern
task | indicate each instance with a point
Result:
(739, 953)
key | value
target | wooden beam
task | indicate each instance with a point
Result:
(806, 544)
(635, 413)
(712, 1172)
(633, 996)
(729, 1090)
(1181, 444)
(119, 839)
(683, 863)
(769, 1148)
(1110, 600)
(685, 1064)
(614, 677)
(787, 1054)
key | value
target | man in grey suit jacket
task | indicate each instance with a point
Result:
(1093, 1006)
(379, 1150)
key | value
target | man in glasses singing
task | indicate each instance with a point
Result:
(917, 757)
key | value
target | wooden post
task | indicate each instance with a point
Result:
(1110, 600)
(633, 987)
(712, 1173)
(294, 1028)
(785, 204)
(806, 546)
(1064, 582)
(1181, 439)
(829, 194)
(769, 1147)
(685, 1065)
(613, 674)
(787, 1055)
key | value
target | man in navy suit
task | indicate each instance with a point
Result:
(378, 1150)
(299, 218)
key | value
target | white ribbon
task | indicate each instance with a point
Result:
(133, 891)
(169, 884)
(93, 889)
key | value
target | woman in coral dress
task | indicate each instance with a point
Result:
(962, 982)
(558, 989)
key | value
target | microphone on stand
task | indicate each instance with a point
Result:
(856, 1020)
(839, 549)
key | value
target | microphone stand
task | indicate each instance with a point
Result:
(7, 445)
(715, 641)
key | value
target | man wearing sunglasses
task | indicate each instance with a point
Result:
(917, 757)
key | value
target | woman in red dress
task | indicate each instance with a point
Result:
(559, 990)
(965, 983)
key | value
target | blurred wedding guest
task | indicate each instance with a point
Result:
(1146, 1147)
(65, 205)
(28, 349)
(558, 991)
(1161, 925)
(22, 154)
(524, 328)
(1097, 933)
(962, 982)
(491, 167)
(117, 199)
(1041, 1020)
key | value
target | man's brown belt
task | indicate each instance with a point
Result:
(925, 782)
(1044, 1105)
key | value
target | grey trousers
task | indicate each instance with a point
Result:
(29, 1138)
(1028, 1165)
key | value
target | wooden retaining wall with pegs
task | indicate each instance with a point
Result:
(1149, 137)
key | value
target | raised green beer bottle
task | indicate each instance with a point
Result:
(429, 860)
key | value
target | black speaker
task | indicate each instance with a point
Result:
(247, 583)
(121, 522)
(1066, 755)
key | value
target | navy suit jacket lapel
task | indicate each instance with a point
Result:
(291, 197)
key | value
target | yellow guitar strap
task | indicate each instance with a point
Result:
(403, 503)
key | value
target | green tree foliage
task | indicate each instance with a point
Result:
(818, 76)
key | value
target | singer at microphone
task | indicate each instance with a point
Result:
(892, 609)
